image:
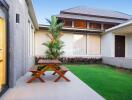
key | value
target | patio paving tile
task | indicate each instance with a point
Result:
(62, 90)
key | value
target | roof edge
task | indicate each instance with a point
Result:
(64, 12)
(45, 27)
(4, 3)
(119, 26)
(32, 13)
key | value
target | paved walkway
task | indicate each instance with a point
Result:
(74, 90)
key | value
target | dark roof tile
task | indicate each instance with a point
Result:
(97, 12)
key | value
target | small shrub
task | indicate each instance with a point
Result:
(75, 60)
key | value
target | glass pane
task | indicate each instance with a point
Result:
(67, 23)
(93, 44)
(80, 24)
(95, 26)
(79, 45)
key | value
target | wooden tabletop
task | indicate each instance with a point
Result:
(41, 61)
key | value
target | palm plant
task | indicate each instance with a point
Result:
(55, 45)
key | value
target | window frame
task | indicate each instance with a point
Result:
(83, 24)
(67, 22)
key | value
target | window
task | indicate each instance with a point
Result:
(80, 24)
(95, 26)
(86, 44)
(67, 23)
(17, 18)
(93, 45)
(30, 38)
(79, 45)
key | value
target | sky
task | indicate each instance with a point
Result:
(46, 8)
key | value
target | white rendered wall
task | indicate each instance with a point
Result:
(40, 38)
(129, 45)
(107, 45)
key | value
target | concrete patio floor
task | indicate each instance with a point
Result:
(62, 90)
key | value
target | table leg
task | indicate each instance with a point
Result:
(31, 80)
(59, 73)
(41, 79)
(54, 73)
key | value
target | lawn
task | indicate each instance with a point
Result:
(109, 82)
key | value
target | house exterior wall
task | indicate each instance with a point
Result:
(108, 50)
(40, 38)
(74, 44)
(20, 35)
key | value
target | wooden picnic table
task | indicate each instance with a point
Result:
(49, 64)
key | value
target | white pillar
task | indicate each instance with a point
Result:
(88, 25)
(102, 26)
(72, 24)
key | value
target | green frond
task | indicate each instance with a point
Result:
(54, 46)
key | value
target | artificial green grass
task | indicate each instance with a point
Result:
(109, 82)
